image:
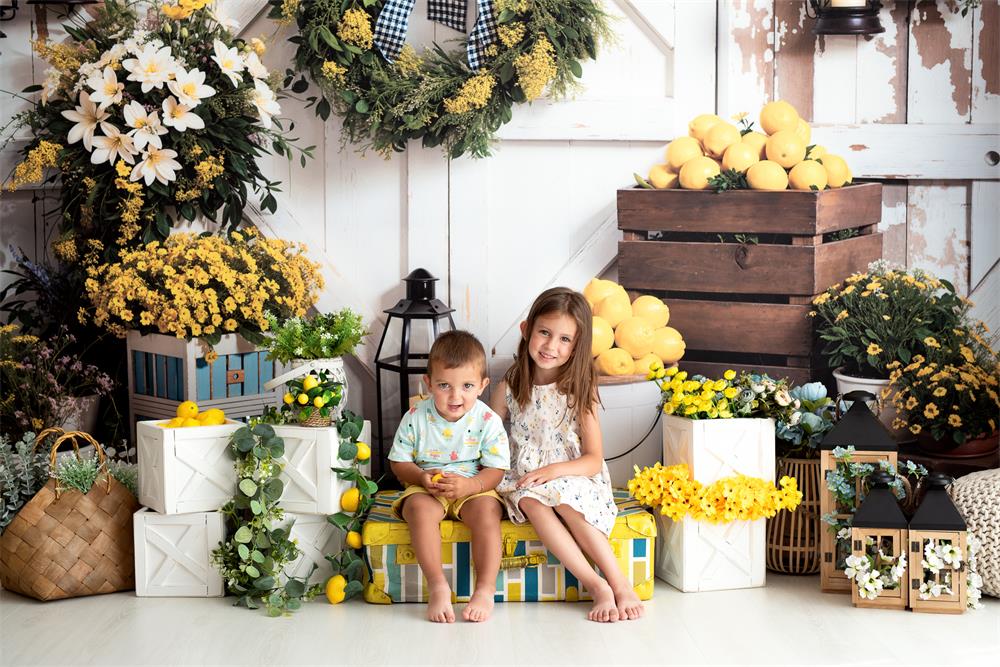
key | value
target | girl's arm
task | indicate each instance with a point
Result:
(498, 401)
(591, 459)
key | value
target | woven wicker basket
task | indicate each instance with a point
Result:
(793, 537)
(316, 419)
(66, 544)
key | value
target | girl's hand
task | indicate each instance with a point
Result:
(536, 477)
(455, 486)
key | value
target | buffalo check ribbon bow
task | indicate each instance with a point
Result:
(393, 22)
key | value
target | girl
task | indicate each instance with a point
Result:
(558, 479)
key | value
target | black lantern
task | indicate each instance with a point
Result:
(419, 307)
(861, 429)
(879, 535)
(845, 17)
(939, 552)
(8, 11)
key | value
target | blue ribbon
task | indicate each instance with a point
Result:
(393, 23)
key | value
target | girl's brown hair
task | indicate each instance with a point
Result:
(577, 378)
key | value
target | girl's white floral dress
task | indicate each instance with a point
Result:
(541, 434)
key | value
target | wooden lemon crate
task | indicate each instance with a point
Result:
(739, 270)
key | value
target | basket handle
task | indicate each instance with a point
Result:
(289, 375)
(71, 436)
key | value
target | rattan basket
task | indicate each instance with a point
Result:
(793, 537)
(316, 419)
(64, 543)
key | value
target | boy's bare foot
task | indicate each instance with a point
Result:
(439, 606)
(629, 605)
(480, 605)
(604, 609)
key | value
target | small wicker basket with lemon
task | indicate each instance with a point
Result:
(313, 398)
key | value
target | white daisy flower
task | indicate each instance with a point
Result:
(146, 127)
(156, 165)
(87, 117)
(263, 98)
(223, 19)
(106, 87)
(255, 66)
(180, 117)
(189, 87)
(153, 66)
(229, 61)
(112, 146)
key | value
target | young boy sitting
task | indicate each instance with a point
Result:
(451, 451)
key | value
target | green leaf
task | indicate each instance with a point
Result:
(263, 583)
(243, 551)
(243, 535)
(352, 589)
(340, 520)
(32, 89)
(506, 16)
(273, 489)
(248, 487)
(576, 68)
(295, 588)
(361, 106)
(328, 37)
(256, 507)
(348, 450)
(507, 72)
(257, 556)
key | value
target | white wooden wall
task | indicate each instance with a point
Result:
(917, 107)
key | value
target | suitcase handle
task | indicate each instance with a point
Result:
(518, 562)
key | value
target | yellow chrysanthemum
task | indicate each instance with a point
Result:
(355, 28)
(536, 68)
(873, 349)
(931, 411)
(474, 94)
(954, 421)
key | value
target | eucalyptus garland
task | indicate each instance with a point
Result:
(435, 96)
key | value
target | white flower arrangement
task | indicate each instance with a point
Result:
(937, 556)
(875, 571)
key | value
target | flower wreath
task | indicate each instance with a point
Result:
(386, 94)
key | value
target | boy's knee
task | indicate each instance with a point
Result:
(422, 507)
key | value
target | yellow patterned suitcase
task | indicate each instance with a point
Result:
(528, 572)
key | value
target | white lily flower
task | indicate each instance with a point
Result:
(146, 127)
(229, 61)
(157, 165)
(87, 117)
(255, 66)
(189, 87)
(107, 89)
(153, 66)
(263, 98)
(112, 146)
(180, 117)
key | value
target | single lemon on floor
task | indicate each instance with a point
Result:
(615, 308)
(767, 175)
(364, 452)
(303, 399)
(597, 290)
(652, 309)
(648, 363)
(681, 150)
(635, 336)
(815, 152)
(353, 539)
(661, 177)
(603, 337)
(838, 174)
(335, 586)
(668, 345)
(349, 501)
(187, 409)
(310, 382)
(756, 141)
(696, 172)
(720, 137)
(777, 116)
(785, 148)
(803, 131)
(740, 156)
(701, 124)
(807, 175)
(615, 361)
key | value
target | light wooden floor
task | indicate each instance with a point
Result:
(788, 622)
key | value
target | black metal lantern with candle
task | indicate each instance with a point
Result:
(845, 17)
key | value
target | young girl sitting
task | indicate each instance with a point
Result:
(558, 479)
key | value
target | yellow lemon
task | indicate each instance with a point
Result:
(190, 422)
(603, 337)
(802, 129)
(681, 150)
(652, 309)
(806, 175)
(187, 409)
(647, 363)
(635, 336)
(364, 452)
(838, 174)
(701, 124)
(696, 172)
(303, 399)
(615, 361)
(816, 152)
(309, 382)
(756, 141)
(777, 116)
(786, 148)
(353, 539)
(668, 345)
(349, 501)
(436, 478)
(661, 177)
(740, 156)
(319, 402)
(597, 290)
(720, 137)
(615, 308)
(335, 586)
(173, 423)
(767, 175)
(288, 398)
(212, 417)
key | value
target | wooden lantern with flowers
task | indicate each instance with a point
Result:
(877, 566)
(938, 545)
(872, 443)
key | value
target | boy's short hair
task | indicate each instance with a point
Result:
(456, 348)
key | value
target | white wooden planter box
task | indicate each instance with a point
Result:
(173, 554)
(696, 556)
(310, 486)
(185, 469)
(316, 537)
(716, 448)
(627, 412)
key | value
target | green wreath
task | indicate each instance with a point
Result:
(531, 46)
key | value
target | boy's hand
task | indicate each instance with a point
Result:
(456, 486)
(427, 481)
(536, 477)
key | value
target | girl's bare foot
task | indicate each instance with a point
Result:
(629, 605)
(439, 606)
(604, 609)
(480, 605)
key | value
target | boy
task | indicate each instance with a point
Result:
(451, 451)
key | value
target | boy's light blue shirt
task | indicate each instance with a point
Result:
(463, 447)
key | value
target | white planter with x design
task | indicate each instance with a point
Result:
(173, 554)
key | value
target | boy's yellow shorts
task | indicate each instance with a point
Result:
(452, 508)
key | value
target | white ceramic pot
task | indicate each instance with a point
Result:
(81, 413)
(884, 409)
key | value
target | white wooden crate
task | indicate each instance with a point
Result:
(316, 537)
(311, 487)
(173, 554)
(716, 448)
(695, 556)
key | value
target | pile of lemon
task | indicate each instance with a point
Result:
(781, 159)
(188, 415)
(630, 337)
